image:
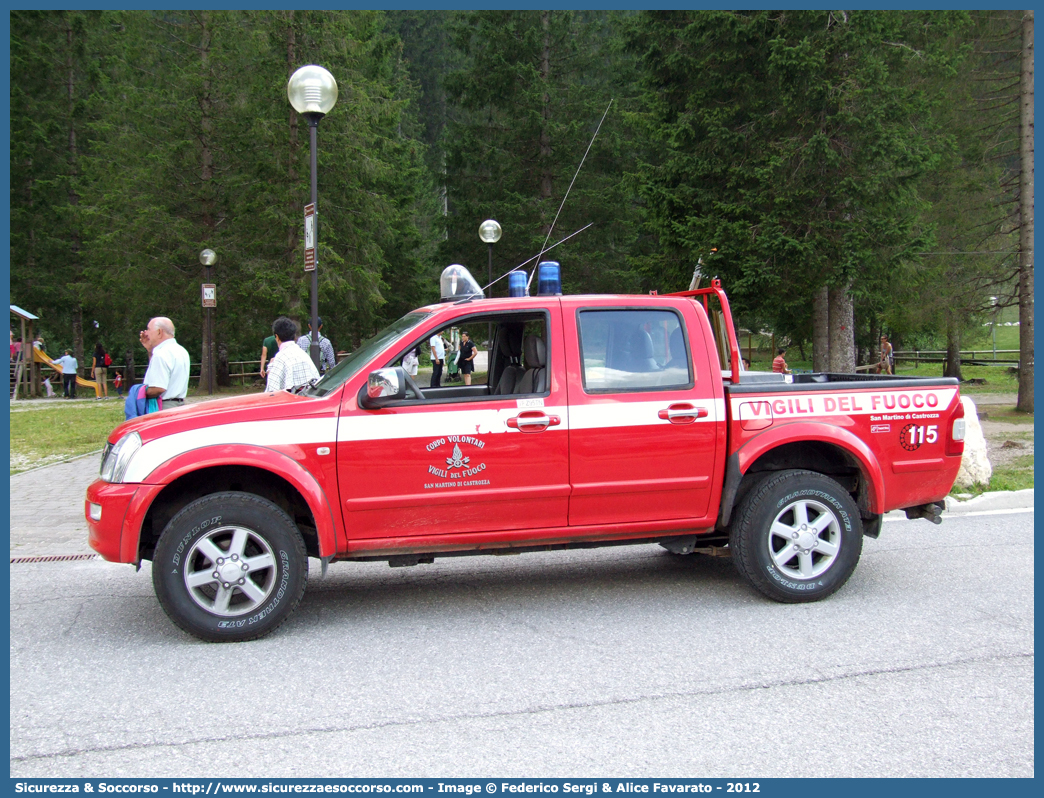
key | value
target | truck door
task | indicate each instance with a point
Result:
(646, 414)
(466, 459)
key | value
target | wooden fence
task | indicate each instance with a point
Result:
(971, 357)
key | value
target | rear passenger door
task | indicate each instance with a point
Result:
(645, 416)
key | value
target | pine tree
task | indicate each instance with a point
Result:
(793, 148)
(523, 108)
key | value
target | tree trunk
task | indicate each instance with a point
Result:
(77, 331)
(1026, 194)
(223, 377)
(820, 330)
(842, 335)
(952, 367)
(546, 169)
(74, 199)
(129, 377)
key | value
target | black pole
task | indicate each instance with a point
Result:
(313, 347)
(210, 339)
(489, 281)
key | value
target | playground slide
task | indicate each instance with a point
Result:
(41, 357)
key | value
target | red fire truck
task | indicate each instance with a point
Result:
(599, 420)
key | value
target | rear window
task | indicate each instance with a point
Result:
(633, 350)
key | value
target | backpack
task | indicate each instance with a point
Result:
(108, 360)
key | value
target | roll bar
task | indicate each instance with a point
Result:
(704, 293)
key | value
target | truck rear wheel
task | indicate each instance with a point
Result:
(230, 567)
(796, 537)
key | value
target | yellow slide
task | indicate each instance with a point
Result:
(41, 357)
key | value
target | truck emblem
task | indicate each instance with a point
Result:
(459, 469)
(457, 460)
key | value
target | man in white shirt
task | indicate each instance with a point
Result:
(168, 374)
(438, 357)
(291, 366)
(69, 365)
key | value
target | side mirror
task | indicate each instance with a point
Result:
(383, 386)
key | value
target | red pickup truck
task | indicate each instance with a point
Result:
(599, 420)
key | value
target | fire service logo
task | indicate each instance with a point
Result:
(459, 469)
(457, 461)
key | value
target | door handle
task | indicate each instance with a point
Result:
(682, 413)
(533, 421)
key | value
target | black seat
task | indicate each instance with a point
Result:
(534, 380)
(510, 348)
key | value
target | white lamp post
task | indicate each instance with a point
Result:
(312, 91)
(993, 325)
(206, 367)
(490, 232)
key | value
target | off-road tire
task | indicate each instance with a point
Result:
(230, 567)
(796, 536)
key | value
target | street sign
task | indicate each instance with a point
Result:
(309, 219)
(209, 295)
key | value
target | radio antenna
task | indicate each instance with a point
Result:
(545, 248)
(523, 263)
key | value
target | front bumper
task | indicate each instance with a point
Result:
(115, 532)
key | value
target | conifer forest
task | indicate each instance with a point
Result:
(844, 173)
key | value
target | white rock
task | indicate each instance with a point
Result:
(975, 465)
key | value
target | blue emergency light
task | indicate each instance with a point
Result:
(517, 283)
(550, 278)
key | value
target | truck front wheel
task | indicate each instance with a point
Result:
(230, 567)
(796, 537)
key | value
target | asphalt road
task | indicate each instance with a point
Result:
(611, 662)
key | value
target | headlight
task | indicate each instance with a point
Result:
(105, 456)
(114, 466)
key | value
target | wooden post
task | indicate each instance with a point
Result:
(23, 377)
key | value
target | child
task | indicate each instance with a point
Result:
(118, 382)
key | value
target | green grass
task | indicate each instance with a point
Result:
(1016, 475)
(998, 380)
(234, 390)
(52, 434)
(1008, 415)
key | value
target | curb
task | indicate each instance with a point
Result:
(985, 502)
(992, 500)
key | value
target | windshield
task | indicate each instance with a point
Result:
(343, 371)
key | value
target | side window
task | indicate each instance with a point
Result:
(633, 350)
(481, 357)
(457, 355)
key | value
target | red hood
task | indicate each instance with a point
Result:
(252, 407)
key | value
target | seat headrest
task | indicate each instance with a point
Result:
(536, 352)
(642, 342)
(510, 341)
(677, 345)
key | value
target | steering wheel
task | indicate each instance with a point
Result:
(417, 392)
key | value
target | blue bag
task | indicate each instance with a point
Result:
(138, 404)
